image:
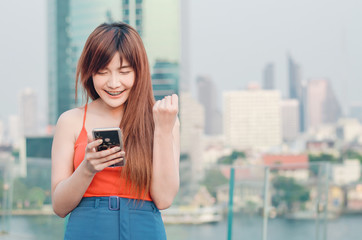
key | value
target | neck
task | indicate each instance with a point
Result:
(114, 112)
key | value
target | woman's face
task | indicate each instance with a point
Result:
(114, 82)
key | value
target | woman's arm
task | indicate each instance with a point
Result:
(68, 187)
(166, 152)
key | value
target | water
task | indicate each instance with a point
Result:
(343, 228)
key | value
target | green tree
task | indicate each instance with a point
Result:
(289, 192)
(231, 158)
(36, 197)
(323, 157)
(20, 191)
(213, 179)
(350, 154)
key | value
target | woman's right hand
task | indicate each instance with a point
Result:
(97, 161)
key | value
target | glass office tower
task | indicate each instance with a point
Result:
(165, 79)
(71, 21)
(69, 24)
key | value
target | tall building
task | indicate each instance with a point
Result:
(297, 90)
(71, 21)
(207, 96)
(268, 77)
(132, 13)
(69, 24)
(290, 119)
(165, 79)
(322, 105)
(295, 81)
(252, 118)
(28, 112)
(13, 134)
(192, 117)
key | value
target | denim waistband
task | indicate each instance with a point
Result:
(115, 203)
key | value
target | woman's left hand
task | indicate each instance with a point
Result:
(165, 113)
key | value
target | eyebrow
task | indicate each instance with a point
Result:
(126, 66)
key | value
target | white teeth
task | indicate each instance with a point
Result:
(114, 93)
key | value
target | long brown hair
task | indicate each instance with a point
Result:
(137, 122)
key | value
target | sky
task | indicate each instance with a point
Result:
(230, 41)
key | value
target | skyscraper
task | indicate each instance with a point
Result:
(192, 117)
(165, 79)
(69, 24)
(28, 112)
(207, 96)
(13, 134)
(252, 118)
(322, 105)
(132, 13)
(295, 82)
(297, 90)
(268, 77)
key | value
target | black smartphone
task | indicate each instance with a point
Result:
(111, 137)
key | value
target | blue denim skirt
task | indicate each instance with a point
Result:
(115, 218)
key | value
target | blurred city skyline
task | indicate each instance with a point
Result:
(231, 42)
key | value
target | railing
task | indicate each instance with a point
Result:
(224, 202)
(293, 192)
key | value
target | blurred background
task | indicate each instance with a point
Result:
(270, 111)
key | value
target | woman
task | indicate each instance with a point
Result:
(116, 202)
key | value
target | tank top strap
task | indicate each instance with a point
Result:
(85, 114)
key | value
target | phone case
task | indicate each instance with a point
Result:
(111, 137)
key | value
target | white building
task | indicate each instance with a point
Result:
(348, 172)
(192, 128)
(252, 118)
(28, 112)
(349, 129)
(14, 136)
(290, 119)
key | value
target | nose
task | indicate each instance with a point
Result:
(114, 81)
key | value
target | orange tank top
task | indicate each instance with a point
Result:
(107, 182)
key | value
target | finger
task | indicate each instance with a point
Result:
(163, 103)
(100, 155)
(168, 102)
(110, 163)
(107, 152)
(92, 145)
(112, 157)
(174, 100)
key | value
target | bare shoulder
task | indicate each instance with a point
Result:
(70, 121)
(71, 116)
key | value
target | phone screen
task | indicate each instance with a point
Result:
(111, 137)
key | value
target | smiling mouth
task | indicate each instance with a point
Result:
(113, 93)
